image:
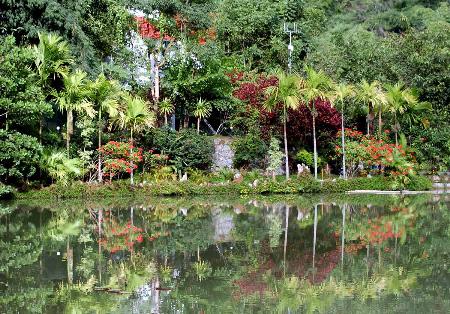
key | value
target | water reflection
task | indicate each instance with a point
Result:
(282, 254)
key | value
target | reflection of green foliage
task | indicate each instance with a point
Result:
(202, 270)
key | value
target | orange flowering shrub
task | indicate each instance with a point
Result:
(369, 154)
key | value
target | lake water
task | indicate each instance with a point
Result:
(284, 254)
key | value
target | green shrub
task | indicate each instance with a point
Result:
(249, 151)
(19, 157)
(186, 148)
(6, 192)
(305, 157)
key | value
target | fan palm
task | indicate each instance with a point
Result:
(166, 107)
(316, 86)
(104, 96)
(286, 92)
(339, 94)
(72, 98)
(202, 110)
(134, 118)
(372, 97)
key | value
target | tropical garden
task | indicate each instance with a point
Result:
(222, 156)
(135, 93)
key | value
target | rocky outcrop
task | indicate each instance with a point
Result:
(223, 153)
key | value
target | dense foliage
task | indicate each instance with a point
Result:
(87, 72)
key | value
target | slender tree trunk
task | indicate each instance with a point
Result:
(165, 119)
(286, 152)
(380, 123)
(395, 128)
(343, 234)
(100, 175)
(69, 130)
(344, 170)
(314, 141)
(41, 122)
(198, 125)
(131, 163)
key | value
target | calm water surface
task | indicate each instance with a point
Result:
(287, 254)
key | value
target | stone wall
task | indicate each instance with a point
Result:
(223, 153)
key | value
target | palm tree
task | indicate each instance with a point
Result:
(104, 96)
(202, 110)
(371, 95)
(73, 98)
(287, 93)
(51, 58)
(134, 118)
(166, 107)
(396, 104)
(316, 86)
(340, 93)
(403, 102)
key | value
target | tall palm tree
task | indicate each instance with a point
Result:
(73, 98)
(166, 107)
(316, 86)
(396, 104)
(371, 95)
(104, 96)
(202, 110)
(52, 59)
(286, 92)
(340, 93)
(134, 118)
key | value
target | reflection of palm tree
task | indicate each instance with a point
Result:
(286, 93)
(344, 208)
(315, 86)
(285, 239)
(314, 242)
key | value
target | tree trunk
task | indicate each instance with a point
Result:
(131, 163)
(198, 125)
(165, 119)
(69, 130)
(314, 141)
(69, 262)
(380, 123)
(100, 175)
(286, 152)
(395, 129)
(344, 171)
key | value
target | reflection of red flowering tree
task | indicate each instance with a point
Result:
(120, 157)
(120, 238)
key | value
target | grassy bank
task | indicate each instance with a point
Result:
(246, 187)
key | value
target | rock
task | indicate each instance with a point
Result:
(238, 178)
(255, 183)
(184, 178)
(223, 153)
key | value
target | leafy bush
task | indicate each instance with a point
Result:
(19, 156)
(61, 168)
(305, 157)
(249, 151)
(186, 149)
(6, 192)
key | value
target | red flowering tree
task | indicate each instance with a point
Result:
(120, 157)
(369, 154)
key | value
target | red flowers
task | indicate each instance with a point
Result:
(120, 157)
